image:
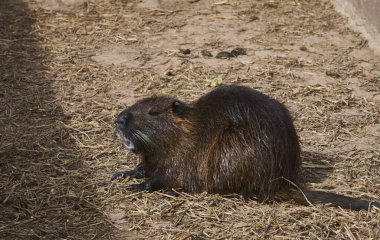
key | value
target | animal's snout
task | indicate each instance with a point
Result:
(123, 119)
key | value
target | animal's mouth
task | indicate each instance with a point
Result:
(128, 144)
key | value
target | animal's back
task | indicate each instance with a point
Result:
(248, 142)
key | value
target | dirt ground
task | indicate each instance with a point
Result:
(67, 70)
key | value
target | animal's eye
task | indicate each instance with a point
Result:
(176, 107)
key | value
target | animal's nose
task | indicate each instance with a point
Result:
(123, 118)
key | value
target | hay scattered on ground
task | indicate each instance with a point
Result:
(65, 76)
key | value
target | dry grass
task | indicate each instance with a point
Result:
(58, 103)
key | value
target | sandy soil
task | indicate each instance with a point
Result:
(68, 68)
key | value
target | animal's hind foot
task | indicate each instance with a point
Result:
(141, 187)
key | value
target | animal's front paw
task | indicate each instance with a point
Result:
(139, 172)
(119, 175)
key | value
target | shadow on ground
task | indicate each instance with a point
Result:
(43, 187)
(316, 167)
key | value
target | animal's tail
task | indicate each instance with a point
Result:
(308, 197)
(334, 199)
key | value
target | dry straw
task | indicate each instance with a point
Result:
(58, 102)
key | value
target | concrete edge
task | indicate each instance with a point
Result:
(358, 23)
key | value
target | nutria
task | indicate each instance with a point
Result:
(234, 139)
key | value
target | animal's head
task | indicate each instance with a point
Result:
(153, 124)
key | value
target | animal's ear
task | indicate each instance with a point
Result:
(178, 107)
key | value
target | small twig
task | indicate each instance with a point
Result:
(17, 223)
(10, 193)
(299, 189)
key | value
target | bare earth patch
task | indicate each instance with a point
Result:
(66, 73)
